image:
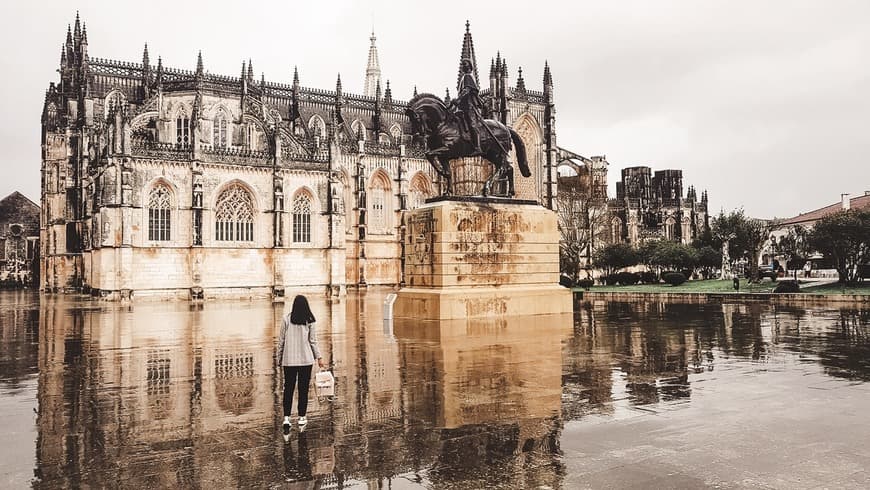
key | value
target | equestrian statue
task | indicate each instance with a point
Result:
(459, 130)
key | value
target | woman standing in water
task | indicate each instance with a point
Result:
(297, 351)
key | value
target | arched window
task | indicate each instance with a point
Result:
(530, 132)
(669, 228)
(616, 230)
(250, 136)
(418, 192)
(358, 130)
(302, 218)
(159, 209)
(379, 194)
(220, 131)
(182, 129)
(316, 126)
(396, 133)
(234, 215)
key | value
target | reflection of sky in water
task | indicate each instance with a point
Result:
(170, 394)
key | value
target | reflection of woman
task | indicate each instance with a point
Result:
(297, 350)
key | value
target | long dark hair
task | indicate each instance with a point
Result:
(301, 314)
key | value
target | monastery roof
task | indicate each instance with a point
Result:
(17, 199)
(860, 202)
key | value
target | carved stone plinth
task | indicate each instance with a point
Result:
(474, 258)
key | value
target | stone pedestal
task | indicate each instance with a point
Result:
(470, 257)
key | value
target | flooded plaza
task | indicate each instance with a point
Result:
(621, 395)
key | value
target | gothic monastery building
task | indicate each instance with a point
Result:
(158, 181)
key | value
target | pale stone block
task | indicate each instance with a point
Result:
(471, 260)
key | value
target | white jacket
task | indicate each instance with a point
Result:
(297, 344)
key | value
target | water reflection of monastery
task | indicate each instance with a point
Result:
(160, 397)
(173, 395)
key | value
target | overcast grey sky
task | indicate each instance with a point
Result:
(766, 104)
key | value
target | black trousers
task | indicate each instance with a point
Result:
(290, 375)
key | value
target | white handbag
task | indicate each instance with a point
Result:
(324, 382)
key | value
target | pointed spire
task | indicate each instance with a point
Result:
(548, 78)
(376, 117)
(262, 81)
(492, 68)
(62, 55)
(468, 54)
(199, 68)
(504, 68)
(250, 71)
(521, 83)
(146, 62)
(373, 69)
(69, 39)
(159, 69)
(242, 76)
(498, 62)
(388, 94)
(294, 97)
(339, 117)
(77, 32)
(415, 90)
(447, 95)
(84, 33)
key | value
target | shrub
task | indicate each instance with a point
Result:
(609, 279)
(687, 273)
(673, 278)
(649, 277)
(585, 283)
(627, 278)
(787, 287)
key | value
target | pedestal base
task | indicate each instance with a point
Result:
(475, 257)
(457, 303)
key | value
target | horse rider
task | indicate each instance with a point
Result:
(469, 105)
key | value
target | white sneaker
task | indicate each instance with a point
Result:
(303, 420)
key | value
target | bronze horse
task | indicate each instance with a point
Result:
(440, 129)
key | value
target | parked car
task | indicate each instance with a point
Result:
(767, 271)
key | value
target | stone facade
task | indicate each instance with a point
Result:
(651, 206)
(165, 182)
(475, 258)
(19, 239)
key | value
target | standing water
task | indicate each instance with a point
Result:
(622, 394)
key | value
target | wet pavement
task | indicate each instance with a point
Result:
(620, 395)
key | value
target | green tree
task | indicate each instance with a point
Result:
(645, 252)
(673, 256)
(794, 248)
(613, 257)
(745, 237)
(844, 238)
(708, 259)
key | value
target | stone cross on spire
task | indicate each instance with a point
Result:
(373, 69)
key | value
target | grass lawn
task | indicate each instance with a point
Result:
(717, 286)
